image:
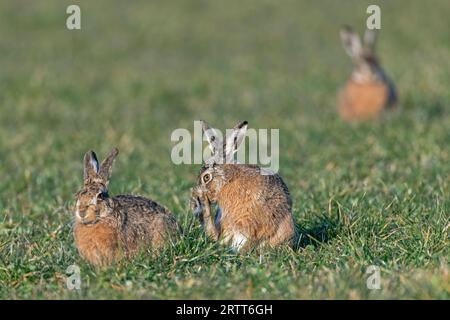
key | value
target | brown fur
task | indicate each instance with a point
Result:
(253, 217)
(253, 206)
(363, 101)
(107, 228)
(98, 243)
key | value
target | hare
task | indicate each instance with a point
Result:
(369, 91)
(108, 228)
(254, 207)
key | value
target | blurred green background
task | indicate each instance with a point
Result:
(368, 194)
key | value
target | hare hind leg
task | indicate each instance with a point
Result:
(285, 233)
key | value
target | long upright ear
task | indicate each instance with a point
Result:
(91, 167)
(214, 140)
(234, 140)
(351, 42)
(370, 39)
(106, 166)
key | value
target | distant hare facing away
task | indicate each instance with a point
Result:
(109, 228)
(369, 91)
(254, 209)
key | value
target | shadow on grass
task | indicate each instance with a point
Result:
(321, 231)
(425, 107)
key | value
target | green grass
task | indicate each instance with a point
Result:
(369, 194)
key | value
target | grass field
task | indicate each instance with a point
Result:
(368, 194)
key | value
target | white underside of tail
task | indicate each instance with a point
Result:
(238, 241)
(235, 240)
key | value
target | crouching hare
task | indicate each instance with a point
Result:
(107, 228)
(254, 207)
(369, 91)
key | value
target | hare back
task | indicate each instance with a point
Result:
(254, 206)
(143, 222)
(364, 101)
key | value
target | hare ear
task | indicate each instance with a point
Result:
(351, 42)
(91, 167)
(234, 140)
(214, 139)
(106, 166)
(370, 39)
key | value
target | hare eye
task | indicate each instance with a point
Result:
(102, 195)
(207, 178)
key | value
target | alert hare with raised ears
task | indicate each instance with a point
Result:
(107, 228)
(369, 91)
(254, 207)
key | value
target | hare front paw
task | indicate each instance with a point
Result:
(196, 201)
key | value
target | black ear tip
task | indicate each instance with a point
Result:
(346, 29)
(115, 151)
(90, 154)
(205, 125)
